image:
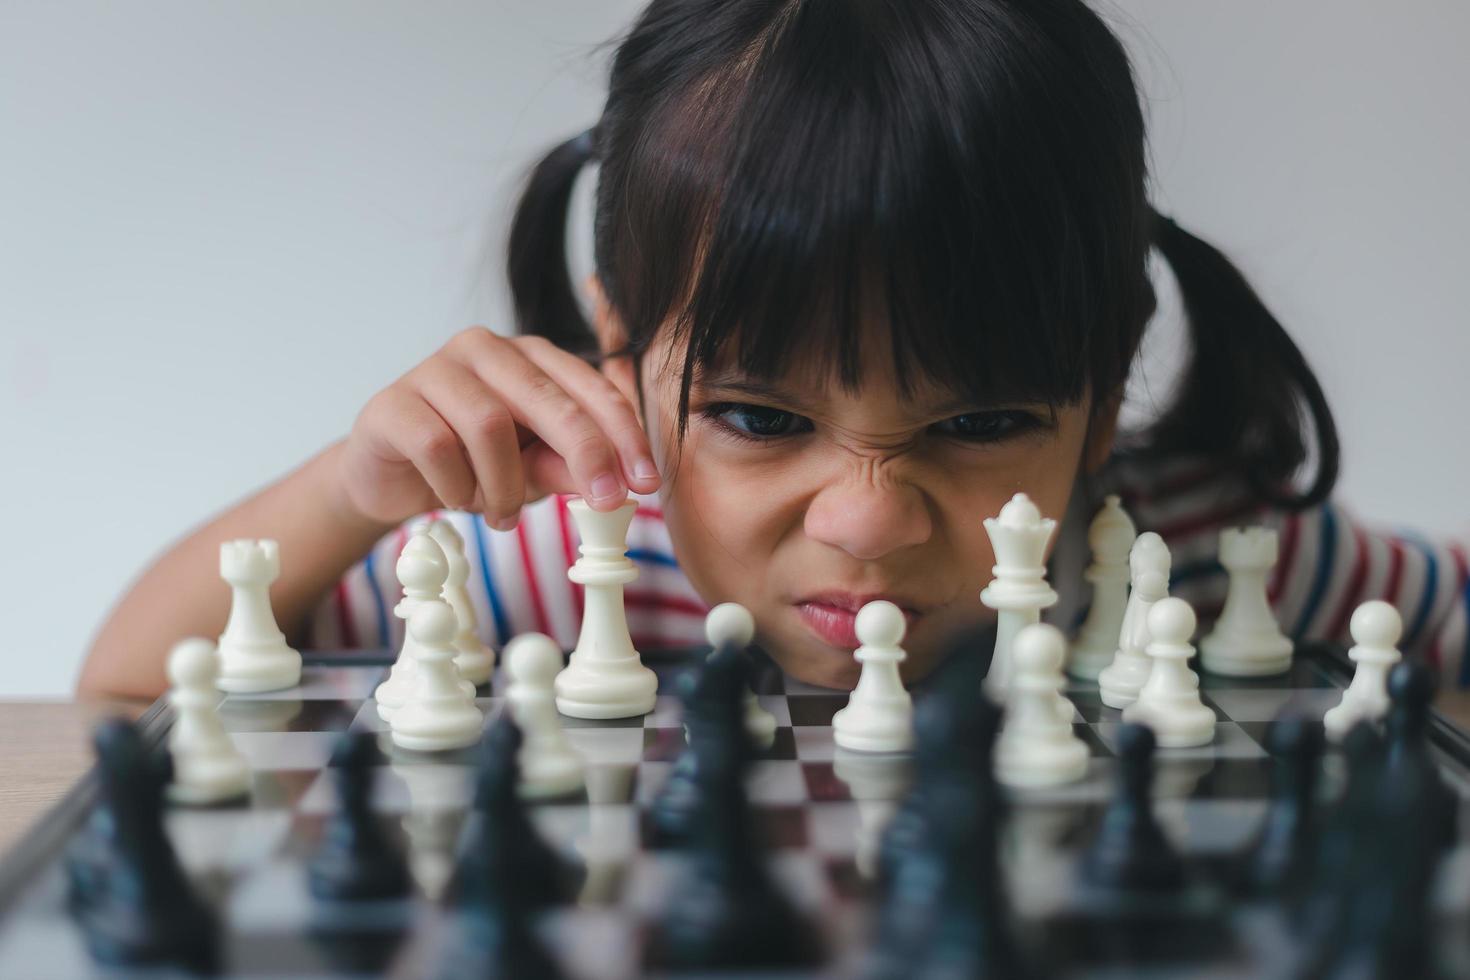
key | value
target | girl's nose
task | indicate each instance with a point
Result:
(869, 519)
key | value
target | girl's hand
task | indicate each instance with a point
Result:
(489, 424)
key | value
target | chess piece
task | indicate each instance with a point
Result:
(605, 677)
(253, 652)
(1148, 563)
(1246, 640)
(475, 660)
(549, 766)
(730, 622)
(1282, 852)
(141, 909)
(1130, 852)
(1376, 627)
(438, 715)
(1169, 700)
(1110, 536)
(356, 861)
(1036, 747)
(879, 713)
(875, 783)
(1019, 590)
(422, 571)
(206, 765)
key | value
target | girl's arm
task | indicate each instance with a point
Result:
(181, 594)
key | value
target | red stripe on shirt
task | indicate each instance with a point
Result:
(644, 599)
(569, 548)
(646, 510)
(1338, 624)
(344, 617)
(1395, 570)
(543, 624)
(1288, 552)
(1436, 650)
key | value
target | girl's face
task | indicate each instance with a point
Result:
(793, 497)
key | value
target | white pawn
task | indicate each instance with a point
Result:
(438, 715)
(253, 652)
(1376, 627)
(1246, 640)
(880, 713)
(730, 622)
(1148, 563)
(548, 763)
(475, 660)
(605, 677)
(422, 570)
(1110, 536)
(207, 766)
(1036, 747)
(1169, 702)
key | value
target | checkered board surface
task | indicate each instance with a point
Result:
(820, 808)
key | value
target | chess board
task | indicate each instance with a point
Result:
(821, 810)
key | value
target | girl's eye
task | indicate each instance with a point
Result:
(753, 423)
(982, 427)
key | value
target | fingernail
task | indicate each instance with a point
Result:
(606, 486)
(645, 470)
(505, 524)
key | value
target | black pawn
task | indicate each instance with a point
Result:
(138, 906)
(1411, 690)
(1281, 855)
(1130, 852)
(708, 707)
(504, 847)
(725, 911)
(357, 860)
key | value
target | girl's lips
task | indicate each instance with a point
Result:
(835, 626)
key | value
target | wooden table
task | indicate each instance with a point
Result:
(47, 748)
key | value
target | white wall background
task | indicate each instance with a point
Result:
(224, 226)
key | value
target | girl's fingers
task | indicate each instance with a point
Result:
(540, 404)
(419, 434)
(486, 429)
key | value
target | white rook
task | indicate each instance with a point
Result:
(1246, 640)
(253, 652)
(605, 677)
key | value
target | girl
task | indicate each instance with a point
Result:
(864, 269)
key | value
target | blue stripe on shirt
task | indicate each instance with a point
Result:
(369, 565)
(1326, 557)
(1431, 586)
(652, 557)
(1464, 678)
(497, 611)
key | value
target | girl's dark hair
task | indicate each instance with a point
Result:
(776, 173)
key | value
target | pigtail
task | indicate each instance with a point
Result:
(1241, 396)
(536, 257)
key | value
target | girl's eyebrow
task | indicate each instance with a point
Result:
(735, 383)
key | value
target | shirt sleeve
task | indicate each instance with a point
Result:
(518, 583)
(1329, 562)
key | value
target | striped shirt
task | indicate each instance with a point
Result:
(1330, 562)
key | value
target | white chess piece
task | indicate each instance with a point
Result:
(253, 652)
(1376, 627)
(605, 677)
(1110, 536)
(548, 763)
(730, 622)
(1036, 747)
(876, 783)
(475, 660)
(207, 766)
(422, 570)
(438, 715)
(1019, 590)
(1148, 563)
(1169, 701)
(1246, 640)
(879, 716)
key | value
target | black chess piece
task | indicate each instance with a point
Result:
(708, 706)
(504, 847)
(1281, 854)
(136, 906)
(357, 859)
(1411, 689)
(1130, 852)
(725, 911)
